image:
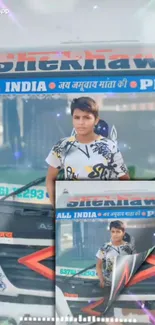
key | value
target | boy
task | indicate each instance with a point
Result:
(107, 253)
(85, 155)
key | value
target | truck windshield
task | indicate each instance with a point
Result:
(77, 242)
(31, 124)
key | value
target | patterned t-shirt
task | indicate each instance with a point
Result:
(108, 252)
(100, 159)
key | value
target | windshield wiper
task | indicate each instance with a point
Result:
(27, 186)
(24, 188)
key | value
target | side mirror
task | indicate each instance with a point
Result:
(127, 238)
(102, 128)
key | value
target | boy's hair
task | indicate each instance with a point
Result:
(85, 104)
(118, 225)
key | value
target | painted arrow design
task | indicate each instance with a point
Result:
(32, 261)
(89, 310)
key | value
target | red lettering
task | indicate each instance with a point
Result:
(118, 197)
(119, 57)
(74, 55)
(71, 295)
(9, 234)
(10, 56)
(6, 57)
(67, 55)
(98, 54)
(6, 234)
(34, 56)
(126, 56)
(46, 56)
(142, 56)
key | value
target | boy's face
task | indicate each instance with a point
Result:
(83, 122)
(117, 234)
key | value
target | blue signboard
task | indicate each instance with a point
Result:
(90, 214)
(82, 85)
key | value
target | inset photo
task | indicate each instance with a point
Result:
(105, 232)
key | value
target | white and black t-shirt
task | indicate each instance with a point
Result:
(100, 159)
(108, 252)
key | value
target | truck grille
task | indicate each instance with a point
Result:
(27, 220)
(32, 229)
(19, 275)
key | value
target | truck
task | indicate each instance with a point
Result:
(36, 89)
(82, 227)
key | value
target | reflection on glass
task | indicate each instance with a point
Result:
(30, 125)
(76, 246)
(66, 236)
(1, 123)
